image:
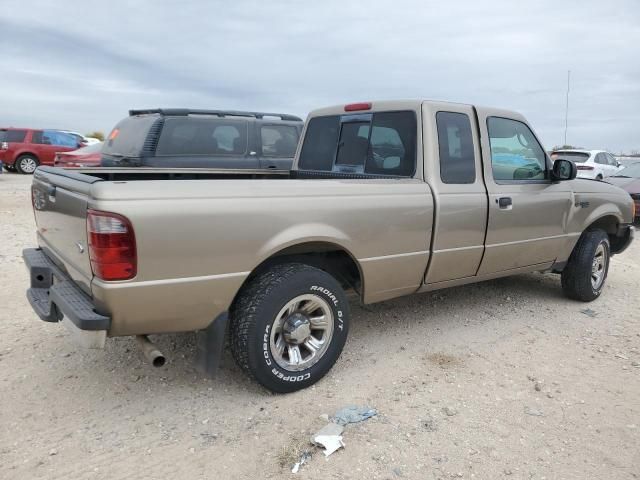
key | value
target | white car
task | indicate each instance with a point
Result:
(593, 164)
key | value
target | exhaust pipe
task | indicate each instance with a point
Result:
(150, 351)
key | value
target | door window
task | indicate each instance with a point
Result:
(279, 140)
(54, 137)
(457, 159)
(601, 159)
(516, 154)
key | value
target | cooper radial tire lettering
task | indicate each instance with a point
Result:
(257, 305)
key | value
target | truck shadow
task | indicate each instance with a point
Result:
(122, 364)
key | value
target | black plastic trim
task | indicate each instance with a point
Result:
(53, 294)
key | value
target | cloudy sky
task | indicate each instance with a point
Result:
(81, 65)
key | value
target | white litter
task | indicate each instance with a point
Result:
(331, 443)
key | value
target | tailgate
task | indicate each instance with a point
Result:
(60, 206)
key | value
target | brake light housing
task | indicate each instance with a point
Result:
(584, 167)
(112, 246)
(355, 107)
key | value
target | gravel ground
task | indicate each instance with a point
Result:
(503, 379)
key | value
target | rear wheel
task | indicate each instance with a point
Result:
(584, 276)
(27, 164)
(288, 326)
(599, 177)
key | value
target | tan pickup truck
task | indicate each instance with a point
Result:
(385, 199)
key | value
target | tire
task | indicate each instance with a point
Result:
(580, 281)
(268, 324)
(26, 164)
(599, 177)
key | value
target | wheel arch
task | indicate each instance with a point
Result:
(328, 256)
(610, 223)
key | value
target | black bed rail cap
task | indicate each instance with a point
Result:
(219, 113)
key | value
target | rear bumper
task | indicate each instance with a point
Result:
(54, 296)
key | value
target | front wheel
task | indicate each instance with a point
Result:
(288, 326)
(584, 276)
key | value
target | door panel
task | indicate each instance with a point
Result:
(528, 226)
(455, 176)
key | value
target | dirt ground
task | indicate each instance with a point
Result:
(503, 379)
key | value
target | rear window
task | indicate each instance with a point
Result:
(382, 143)
(128, 137)
(16, 136)
(279, 140)
(203, 136)
(577, 157)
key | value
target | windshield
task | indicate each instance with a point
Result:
(576, 157)
(632, 171)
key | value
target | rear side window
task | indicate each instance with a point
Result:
(279, 140)
(203, 136)
(457, 158)
(381, 143)
(16, 136)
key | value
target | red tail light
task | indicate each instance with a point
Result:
(354, 107)
(112, 246)
(584, 167)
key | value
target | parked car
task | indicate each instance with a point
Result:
(385, 199)
(88, 156)
(203, 139)
(84, 141)
(23, 149)
(594, 164)
(628, 178)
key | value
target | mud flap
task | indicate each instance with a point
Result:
(210, 343)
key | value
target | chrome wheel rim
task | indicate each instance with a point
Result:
(599, 267)
(28, 165)
(301, 332)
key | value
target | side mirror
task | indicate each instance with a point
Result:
(564, 170)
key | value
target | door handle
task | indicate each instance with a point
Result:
(504, 202)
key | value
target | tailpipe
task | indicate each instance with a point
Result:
(150, 351)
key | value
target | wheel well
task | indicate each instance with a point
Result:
(611, 225)
(329, 257)
(27, 154)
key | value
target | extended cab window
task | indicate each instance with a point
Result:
(457, 158)
(382, 143)
(279, 140)
(202, 136)
(515, 151)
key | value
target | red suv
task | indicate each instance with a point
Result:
(23, 149)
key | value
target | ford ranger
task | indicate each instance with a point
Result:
(385, 199)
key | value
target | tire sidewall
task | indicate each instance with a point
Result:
(20, 159)
(260, 357)
(605, 242)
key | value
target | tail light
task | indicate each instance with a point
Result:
(584, 167)
(112, 246)
(354, 107)
(4, 146)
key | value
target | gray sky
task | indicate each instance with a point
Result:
(81, 65)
